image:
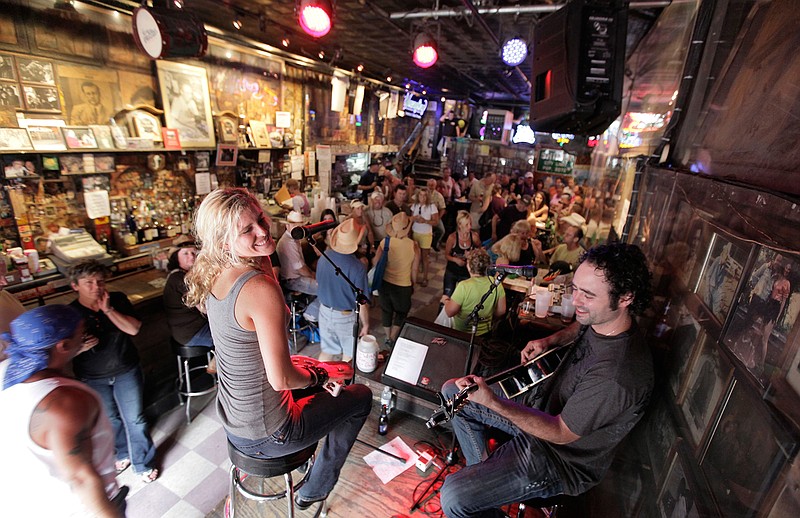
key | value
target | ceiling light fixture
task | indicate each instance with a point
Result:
(360, 68)
(178, 3)
(321, 54)
(285, 41)
(425, 53)
(514, 51)
(315, 17)
(237, 22)
(389, 78)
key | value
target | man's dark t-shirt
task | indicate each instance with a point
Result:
(507, 217)
(600, 392)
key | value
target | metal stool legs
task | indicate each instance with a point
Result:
(188, 388)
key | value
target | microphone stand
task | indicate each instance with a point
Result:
(452, 456)
(360, 299)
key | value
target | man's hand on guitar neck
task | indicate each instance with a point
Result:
(537, 347)
(479, 391)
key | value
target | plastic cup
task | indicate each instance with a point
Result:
(543, 300)
(567, 308)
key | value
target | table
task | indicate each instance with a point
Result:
(519, 284)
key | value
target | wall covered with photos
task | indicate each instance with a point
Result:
(722, 436)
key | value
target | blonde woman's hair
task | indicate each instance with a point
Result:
(215, 229)
(521, 226)
(507, 248)
(463, 217)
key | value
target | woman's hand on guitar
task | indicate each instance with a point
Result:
(338, 371)
(533, 349)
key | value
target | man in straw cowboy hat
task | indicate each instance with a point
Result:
(337, 311)
(56, 429)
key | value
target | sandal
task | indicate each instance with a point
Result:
(150, 475)
(122, 465)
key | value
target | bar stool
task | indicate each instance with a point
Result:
(297, 302)
(187, 385)
(268, 468)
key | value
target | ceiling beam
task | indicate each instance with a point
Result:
(511, 10)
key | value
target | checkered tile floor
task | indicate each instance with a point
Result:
(193, 458)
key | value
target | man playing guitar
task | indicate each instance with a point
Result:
(563, 432)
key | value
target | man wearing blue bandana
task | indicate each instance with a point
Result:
(56, 443)
(111, 365)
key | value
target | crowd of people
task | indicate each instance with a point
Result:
(226, 289)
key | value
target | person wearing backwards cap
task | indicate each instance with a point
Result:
(55, 429)
(336, 313)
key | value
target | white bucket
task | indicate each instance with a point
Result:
(367, 354)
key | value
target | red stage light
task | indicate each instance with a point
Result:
(315, 17)
(425, 54)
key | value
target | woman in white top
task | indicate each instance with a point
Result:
(425, 216)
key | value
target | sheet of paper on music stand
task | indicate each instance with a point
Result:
(406, 360)
(386, 467)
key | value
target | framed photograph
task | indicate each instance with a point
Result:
(71, 164)
(90, 94)
(7, 68)
(787, 500)
(187, 105)
(15, 139)
(18, 166)
(686, 334)
(104, 163)
(260, 133)
(79, 137)
(33, 70)
(660, 435)
(720, 275)
(47, 138)
(202, 160)
(50, 163)
(41, 98)
(172, 138)
(680, 494)
(766, 312)
(226, 154)
(748, 449)
(145, 125)
(227, 129)
(705, 388)
(9, 95)
(103, 136)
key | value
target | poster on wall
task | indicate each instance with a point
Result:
(91, 95)
(136, 89)
(187, 106)
(721, 274)
(254, 94)
(766, 312)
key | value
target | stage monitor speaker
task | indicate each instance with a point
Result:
(426, 355)
(578, 64)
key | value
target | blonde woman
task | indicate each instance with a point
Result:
(425, 216)
(515, 249)
(230, 281)
(458, 244)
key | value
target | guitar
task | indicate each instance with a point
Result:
(514, 381)
(337, 372)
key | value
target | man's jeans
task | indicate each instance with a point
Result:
(337, 420)
(201, 338)
(516, 471)
(336, 331)
(122, 399)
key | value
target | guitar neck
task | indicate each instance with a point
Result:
(547, 356)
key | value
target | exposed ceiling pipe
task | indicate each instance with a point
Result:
(488, 30)
(511, 9)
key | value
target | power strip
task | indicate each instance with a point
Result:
(425, 460)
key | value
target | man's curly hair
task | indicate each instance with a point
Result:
(625, 269)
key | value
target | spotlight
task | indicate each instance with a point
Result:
(389, 78)
(514, 51)
(360, 68)
(237, 23)
(315, 16)
(178, 3)
(321, 54)
(425, 54)
(285, 41)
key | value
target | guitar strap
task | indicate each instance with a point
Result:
(541, 392)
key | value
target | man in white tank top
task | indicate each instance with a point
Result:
(56, 444)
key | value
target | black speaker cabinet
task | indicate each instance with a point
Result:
(578, 63)
(426, 355)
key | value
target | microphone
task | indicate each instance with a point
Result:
(525, 271)
(307, 230)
